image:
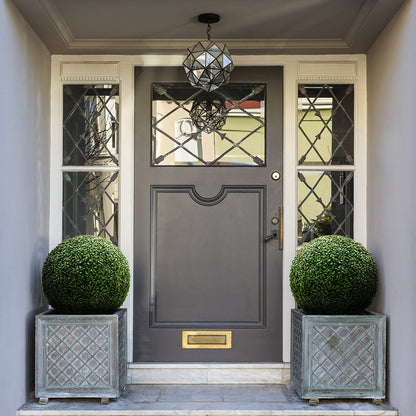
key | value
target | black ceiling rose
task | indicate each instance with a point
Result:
(209, 18)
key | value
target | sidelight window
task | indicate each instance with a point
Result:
(325, 160)
(90, 164)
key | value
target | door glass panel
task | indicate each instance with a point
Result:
(90, 125)
(326, 124)
(185, 132)
(325, 204)
(90, 204)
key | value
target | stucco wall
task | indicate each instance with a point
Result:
(392, 194)
(24, 203)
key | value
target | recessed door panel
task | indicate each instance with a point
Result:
(192, 264)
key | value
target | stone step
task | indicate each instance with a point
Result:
(208, 373)
(206, 400)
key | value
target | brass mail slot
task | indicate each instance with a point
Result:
(206, 339)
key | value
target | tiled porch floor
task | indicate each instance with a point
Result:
(206, 400)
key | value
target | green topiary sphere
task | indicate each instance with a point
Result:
(86, 275)
(333, 275)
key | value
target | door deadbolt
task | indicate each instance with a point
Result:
(275, 175)
(275, 221)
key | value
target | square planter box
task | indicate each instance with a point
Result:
(80, 356)
(338, 356)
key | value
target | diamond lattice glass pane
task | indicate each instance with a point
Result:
(90, 125)
(90, 204)
(325, 204)
(326, 124)
(237, 138)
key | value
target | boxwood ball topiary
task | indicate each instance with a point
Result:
(86, 275)
(333, 275)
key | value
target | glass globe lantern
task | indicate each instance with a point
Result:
(208, 64)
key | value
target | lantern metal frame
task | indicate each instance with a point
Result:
(208, 64)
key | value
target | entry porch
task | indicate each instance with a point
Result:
(206, 400)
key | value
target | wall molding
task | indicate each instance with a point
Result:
(232, 44)
(327, 78)
(88, 78)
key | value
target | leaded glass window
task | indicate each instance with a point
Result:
(326, 124)
(325, 160)
(90, 161)
(90, 125)
(325, 203)
(177, 140)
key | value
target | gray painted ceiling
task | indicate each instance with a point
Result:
(247, 26)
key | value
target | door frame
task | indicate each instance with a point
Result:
(96, 69)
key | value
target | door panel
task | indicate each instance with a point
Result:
(201, 262)
(192, 263)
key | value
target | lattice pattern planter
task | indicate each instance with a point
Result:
(80, 355)
(339, 356)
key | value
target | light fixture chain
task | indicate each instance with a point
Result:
(209, 31)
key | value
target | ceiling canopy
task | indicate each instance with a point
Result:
(247, 26)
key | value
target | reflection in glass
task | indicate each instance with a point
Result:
(90, 204)
(90, 125)
(326, 124)
(208, 113)
(177, 141)
(325, 204)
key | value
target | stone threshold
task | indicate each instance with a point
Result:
(206, 400)
(208, 373)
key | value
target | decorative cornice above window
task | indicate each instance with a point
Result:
(88, 78)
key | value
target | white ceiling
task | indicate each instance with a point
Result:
(247, 26)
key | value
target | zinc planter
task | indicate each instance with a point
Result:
(80, 356)
(338, 356)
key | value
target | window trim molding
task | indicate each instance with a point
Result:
(296, 69)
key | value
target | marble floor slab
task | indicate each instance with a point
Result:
(206, 400)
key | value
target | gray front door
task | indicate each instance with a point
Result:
(204, 203)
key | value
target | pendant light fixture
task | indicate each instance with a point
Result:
(208, 64)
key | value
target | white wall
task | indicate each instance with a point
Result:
(392, 195)
(24, 199)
